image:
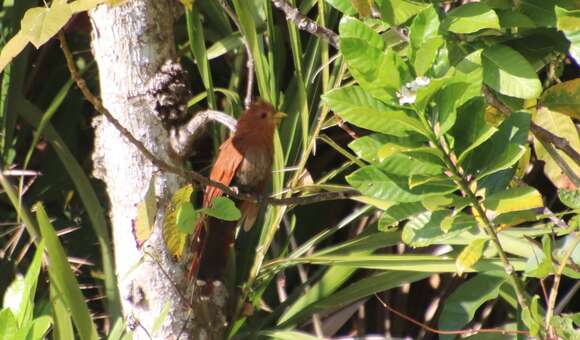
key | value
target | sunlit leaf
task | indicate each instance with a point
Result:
(570, 198)
(471, 17)
(514, 199)
(568, 21)
(396, 12)
(563, 98)
(224, 209)
(12, 48)
(42, 23)
(425, 229)
(146, 212)
(562, 126)
(509, 73)
(470, 255)
(174, 239)
(186, 217)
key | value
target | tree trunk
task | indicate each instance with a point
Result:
(130, 43)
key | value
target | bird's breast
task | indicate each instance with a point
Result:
(255, 169)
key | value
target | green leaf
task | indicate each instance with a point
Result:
(63, 278)
(396, 12)
(146, 212)
(224, 209)
(24, 314)
(503, 149)
(540, 11)
(369, 147)
(397, 213)
(471, 129)
(470, 18)
(568, 21)
(514, 199)
(174, 239)
(356, 106)
(425, 229)
(186, 217)
(12, 48)
(563, 98)
(425, 26)
(39, 327)
(63, 328)
(447, 101)
(540, 264)
(8, 325)
(343, 6)
(570, 198)
(381, 73)
(470, 255)
(563, 127)
(509, 73)
(461, 305)
(225, 45)
(532, 317)
(512, 18)
(41, 23)
(426, 54)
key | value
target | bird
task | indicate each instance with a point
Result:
(244, 161)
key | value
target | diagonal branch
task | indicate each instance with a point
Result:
(306, 24)
(539, 132)
(190, 175)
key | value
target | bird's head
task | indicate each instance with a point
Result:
(261, 115)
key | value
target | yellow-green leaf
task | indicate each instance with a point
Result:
(363, 7)
(188, 4)
(175, 239)
(515, 199)
(564, 127)
(42, 23)
(470, 255)
(84, 5)
(563, 98)
(146, 211)
(12, 48)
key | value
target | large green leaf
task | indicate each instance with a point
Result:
(380, 72)
(426, 228)
(470, 18)
(514, 199)
(344, 6)
(503, 149)
(396, 12)
(568, 21)
(471, 129)
(356, 106)
(563, 98)
(62, 277)
(509, 73)
(540, 11)
(425, 26)
(464, 301)
(399, 212)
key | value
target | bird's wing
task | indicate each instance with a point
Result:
(227, 163)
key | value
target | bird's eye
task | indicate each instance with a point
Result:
(263, 114)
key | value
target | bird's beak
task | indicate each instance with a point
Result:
(278, 117)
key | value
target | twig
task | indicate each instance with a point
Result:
(188, 174)
(249, 62)
(538, 131)
(438, 331)
(306, 24)
(182, 138)
(556, 285)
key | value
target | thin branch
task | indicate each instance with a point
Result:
(451, 332)
(556, 285)
(539, 132)
(306, 24)
(182, 138)
(188, 174)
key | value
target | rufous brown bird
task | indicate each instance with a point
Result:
(245, 162)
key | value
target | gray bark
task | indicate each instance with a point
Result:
(130, 43)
